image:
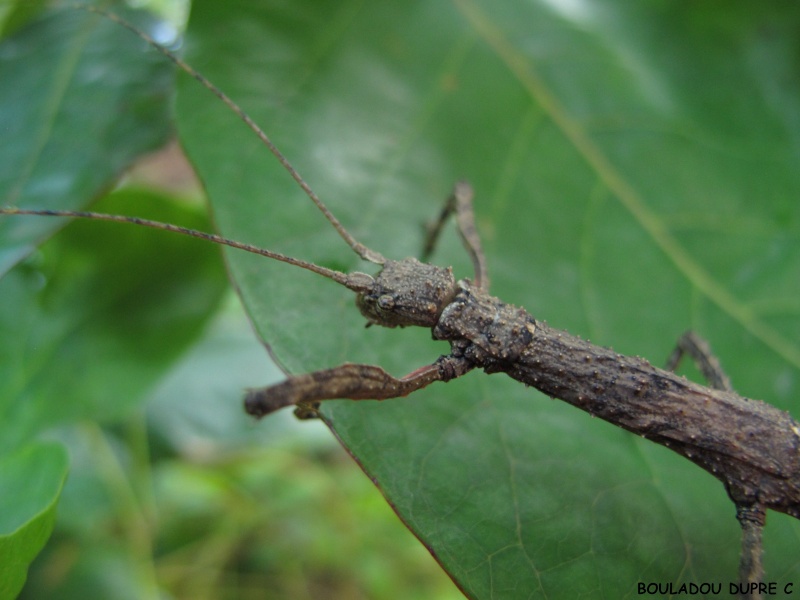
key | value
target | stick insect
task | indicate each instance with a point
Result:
(486, 334)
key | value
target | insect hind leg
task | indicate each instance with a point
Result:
(750, 517)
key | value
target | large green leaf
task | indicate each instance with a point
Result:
(636, 169)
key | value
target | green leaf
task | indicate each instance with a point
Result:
(80, 101)
(87, 333)
(89, 326)
(84, 334)
(636, 170)
(30, 485)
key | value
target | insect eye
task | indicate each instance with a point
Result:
(386, 302)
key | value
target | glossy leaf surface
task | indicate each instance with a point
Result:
(80, 102)
(636, 172)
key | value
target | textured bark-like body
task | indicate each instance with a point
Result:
(751, 446)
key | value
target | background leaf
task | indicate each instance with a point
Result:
(82, 327)
(636, 175)
(30, 484)
(94, 318)
(53, 70)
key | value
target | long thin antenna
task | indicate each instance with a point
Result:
(357, 282)
(359, 248)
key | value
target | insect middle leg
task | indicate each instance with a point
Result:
(751, 517)
(460, 203)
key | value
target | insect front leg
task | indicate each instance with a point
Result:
(751, 517)
(460, 203)
(348, 381)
